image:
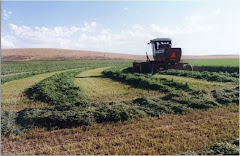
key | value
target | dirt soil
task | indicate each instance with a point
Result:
(66, 54)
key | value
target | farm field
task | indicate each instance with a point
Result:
(38, 54)
(102, 107)
(230, 62)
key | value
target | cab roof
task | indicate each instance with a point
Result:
(160, 39)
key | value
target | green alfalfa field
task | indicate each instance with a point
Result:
(102, 107)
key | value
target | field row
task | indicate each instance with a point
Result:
(175, 109)
(18, 70)
(169, 134)
(73, 108)
(209, 76)
(99, 88)
(50, 66)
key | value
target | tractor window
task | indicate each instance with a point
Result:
(166, 42)
(157, 45)
(153, 48)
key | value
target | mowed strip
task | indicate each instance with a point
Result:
(168, 134)
(99, 88)
(13, 74)
(12, 97)
(198, 84)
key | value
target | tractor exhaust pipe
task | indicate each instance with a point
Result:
(148, 60)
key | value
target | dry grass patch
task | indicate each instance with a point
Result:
(168, 134)
(99, 88)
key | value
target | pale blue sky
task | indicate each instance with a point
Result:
(199, 28)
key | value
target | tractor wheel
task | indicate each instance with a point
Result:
(177, 67)
(188, 67)
(144, 67)
(154, 70)
(166, 68)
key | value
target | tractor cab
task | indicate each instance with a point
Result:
(165, 57)
(160, 46)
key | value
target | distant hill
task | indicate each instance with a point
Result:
(65, 54)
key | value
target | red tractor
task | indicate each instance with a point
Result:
(165, 57)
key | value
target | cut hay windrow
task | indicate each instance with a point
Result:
(230, 147)
(78, 114)
(145, 81)
(209, 76)
(58, 89)
(16, 77)
(218, 69)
